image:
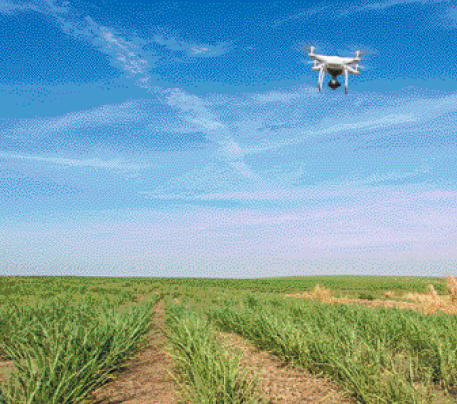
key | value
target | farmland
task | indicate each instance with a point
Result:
(65, 339)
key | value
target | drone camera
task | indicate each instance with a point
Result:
(334, 84)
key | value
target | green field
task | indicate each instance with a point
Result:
(68, 335)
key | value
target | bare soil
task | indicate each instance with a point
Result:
(146, 378)
(280, 383)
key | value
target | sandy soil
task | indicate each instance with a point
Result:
(146, 379)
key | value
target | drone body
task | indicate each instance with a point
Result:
(335, 66)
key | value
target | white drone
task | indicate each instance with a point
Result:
(335, 66)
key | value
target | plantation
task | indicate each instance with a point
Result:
(62, 340)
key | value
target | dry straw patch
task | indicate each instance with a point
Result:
(451, 284)
(319, 292)
(389, 294)
(427, 303)
(430, 302)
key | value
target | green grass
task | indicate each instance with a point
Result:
(29, 289)
(64, 350)
(379, 355)
(206, 374)
(68, 335)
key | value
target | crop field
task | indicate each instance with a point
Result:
(327, 339)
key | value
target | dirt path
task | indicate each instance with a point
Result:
(146, 380)
(280, 383)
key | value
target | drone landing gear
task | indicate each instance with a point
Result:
(346, 81)
(321, 79)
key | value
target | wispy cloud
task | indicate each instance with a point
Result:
(252, 121)
(302, 14)
(97, 117)
(284, 96)
(339, 10)
(390, 176)
(398, 113)
(190, 107)
(46, 6)
(192, 49)
(113, 164)
(152, 236)
(351, 190)
(382, 5)
(449, 19)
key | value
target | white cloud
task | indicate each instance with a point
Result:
(390, 176)
(194, 110)
(175, 44)
(208, 233)
(97, 117)
(128, 59)
(10, 7)
(338, 10)
(368, 119)
(207, 123)
(196, 50)
(449, 19)
(302, 14)
(382, 5)
(113, 164)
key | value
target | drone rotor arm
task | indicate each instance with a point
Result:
(350, 61)
(319, 58)
(352, 70)
(316, 66)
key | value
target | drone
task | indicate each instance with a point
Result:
(335, 66)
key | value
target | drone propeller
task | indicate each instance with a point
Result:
(310, 48)
(364, 51)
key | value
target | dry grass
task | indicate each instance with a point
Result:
(430, 302)
(451, 284)
(389, 294)
(319, 292)
(322, 293)
(432, 291)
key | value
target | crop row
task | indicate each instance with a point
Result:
(206, 374)
(63, 351)
(379, 355)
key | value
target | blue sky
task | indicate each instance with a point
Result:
(182, 139)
